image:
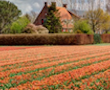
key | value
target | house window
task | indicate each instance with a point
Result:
(42, 21)
(63, 30)
(45, 14)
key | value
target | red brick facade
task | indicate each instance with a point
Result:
(42, 15)
(65, 15)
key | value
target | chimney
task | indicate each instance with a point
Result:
(45, 3)
(54, 3)
(65, 5)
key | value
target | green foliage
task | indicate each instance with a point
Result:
(97, 38)
(52, 22)
(78, 31)
(19, 25)
(107, 32)
(8, 13)
(98, 19)
(82, 26)
(27, 30)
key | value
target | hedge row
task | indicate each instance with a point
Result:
(105, 38)
(49, 39)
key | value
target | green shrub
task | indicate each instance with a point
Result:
(108, 32)
(97, 38)
(19, 25)
(82, 26)
(78, 31)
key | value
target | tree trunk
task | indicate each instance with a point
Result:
(106, 31)
(0, 31)
(93, 28)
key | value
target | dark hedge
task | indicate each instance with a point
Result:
(47, 39)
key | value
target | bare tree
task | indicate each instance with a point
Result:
(82, 2)
(108, 6)
(31, 16)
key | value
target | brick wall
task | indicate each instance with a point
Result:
(42, 15)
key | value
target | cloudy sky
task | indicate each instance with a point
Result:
(36, 5)
(29, 5)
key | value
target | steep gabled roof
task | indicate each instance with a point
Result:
(79, 13)
(74, 14)
(64, 14)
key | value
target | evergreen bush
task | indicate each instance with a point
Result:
(52, 22)
(97, 38)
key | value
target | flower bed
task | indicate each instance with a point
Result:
(66, 67)
(3, 48)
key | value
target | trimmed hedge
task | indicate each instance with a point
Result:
(48, 39)
(105, 38)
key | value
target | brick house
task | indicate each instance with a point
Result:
(66, 17)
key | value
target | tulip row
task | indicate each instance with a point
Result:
(38, 68)
(30, 57)
(35, 62)
(37, 51)
(98, 81)
(77, 74)
(26, 60)
(52, 71)
(47, 65)
(14, 48)
(10, 48)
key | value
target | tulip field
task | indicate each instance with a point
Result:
(55, 68)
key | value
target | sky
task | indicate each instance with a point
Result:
(36, 5)
(28, 5)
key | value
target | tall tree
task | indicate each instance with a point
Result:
(98, 19)
(8, 13)
(52, 22)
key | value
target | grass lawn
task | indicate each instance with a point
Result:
(103, 44)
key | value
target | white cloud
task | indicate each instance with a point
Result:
(28, 8)
(28, 5)
(25, 8)
(36, 5)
